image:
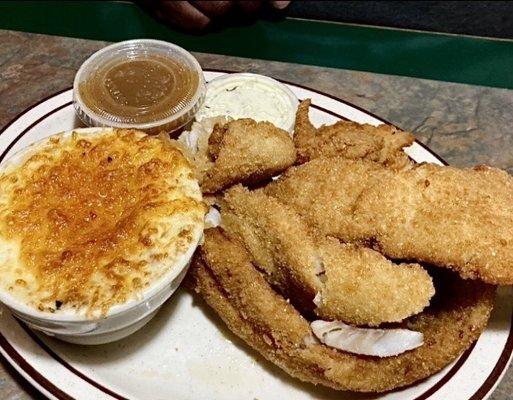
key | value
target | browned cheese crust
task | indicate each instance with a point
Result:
(383, 144)
(349, 283)
(245, 151)
(456, 218)
(225, 277)
(94, 219)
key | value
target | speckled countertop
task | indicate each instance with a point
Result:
(466, 125)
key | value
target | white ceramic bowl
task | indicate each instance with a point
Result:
(121, 320)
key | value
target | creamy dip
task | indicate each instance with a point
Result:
(250, 96)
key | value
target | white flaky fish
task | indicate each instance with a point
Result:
(366, 341)
(212, 218)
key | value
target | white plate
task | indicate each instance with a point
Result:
(185, 352)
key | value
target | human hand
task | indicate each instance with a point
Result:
(196, 16)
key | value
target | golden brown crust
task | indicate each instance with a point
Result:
(456, 218)
(349, 283)
(224, 276)
(277, 240)
(383, 144)
(362, 287)
(245, 151)
(94, 216)
(325, 190)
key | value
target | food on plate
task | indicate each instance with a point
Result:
(239, 151)
(90, 220)
(383, 143)
(223, 274)
(145, 84)
(297, 268)
(195, 142)
(359, 281)
(461, 219)
(319, 274)
(325, 190)
(254, 96)
(368, 342)
(306, 268)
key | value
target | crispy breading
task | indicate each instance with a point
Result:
(360, 286)
(459, 218)
(224, 276)
(277, 240)
(349, 283)
(456, 218)
(351, 140)
(325, 190)
(246, 151)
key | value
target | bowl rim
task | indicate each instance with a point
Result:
(293, 100)
(80, 104)
(154, 288)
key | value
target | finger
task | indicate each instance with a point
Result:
(249, 7)
(213, 8)
(182, 15)
(280, 5)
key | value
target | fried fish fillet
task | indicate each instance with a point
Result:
(222, 273)
(246, 151)
(351, 140)
(335, 281)
(456, 218)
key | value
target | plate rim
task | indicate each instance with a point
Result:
(39, 381)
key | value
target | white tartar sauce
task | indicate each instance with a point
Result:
(253, 96)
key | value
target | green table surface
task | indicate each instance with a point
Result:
(453, 58)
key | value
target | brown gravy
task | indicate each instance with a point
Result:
(139, 90)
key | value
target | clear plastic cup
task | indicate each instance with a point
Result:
(175, 76)
(247, 95)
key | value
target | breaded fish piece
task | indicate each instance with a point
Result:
(335, 281)
(324, 191)
(224, 276)
(278, 242)
(456, 218)
(383, 144)
(361, 287)
(246, 151)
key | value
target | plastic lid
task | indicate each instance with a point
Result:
(144, 84)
